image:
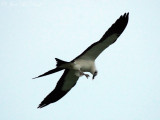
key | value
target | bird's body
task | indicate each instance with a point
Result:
(85, 62)
(85, 65)
(80, 65)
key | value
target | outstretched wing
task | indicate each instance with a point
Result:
(66, 82)
(111, 35)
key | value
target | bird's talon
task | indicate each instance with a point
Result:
(87, 76)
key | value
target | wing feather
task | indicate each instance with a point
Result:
(111, 35)
(66, 82)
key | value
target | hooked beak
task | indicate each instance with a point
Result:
(94, 75)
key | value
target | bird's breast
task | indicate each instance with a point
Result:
(84, 65)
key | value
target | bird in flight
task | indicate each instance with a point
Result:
(85, 62)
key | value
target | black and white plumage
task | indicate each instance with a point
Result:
(85, 62)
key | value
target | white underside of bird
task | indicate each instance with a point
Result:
(80, 66)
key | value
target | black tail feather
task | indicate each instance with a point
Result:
(49, 72)
(60, 62)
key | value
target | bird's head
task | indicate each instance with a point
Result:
(95, 74)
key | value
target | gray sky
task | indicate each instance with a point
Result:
(33, 33)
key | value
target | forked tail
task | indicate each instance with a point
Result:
(49, 72)
(60, 62)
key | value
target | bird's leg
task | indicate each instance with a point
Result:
(87, 76)
(82, 73)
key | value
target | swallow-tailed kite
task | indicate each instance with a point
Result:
(85, 62)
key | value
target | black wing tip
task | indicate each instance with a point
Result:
(127, 13)
(41, 106)
(121, 23)
(118, 27)
(126, 16)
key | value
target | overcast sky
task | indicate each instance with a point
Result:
(33, 33)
